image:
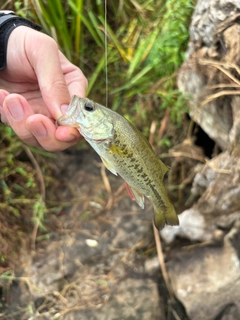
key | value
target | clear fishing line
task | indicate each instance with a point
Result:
(106, 49)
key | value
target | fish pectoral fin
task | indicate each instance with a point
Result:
(109, 166)
(135, 195)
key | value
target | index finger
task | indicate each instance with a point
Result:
(42, 52)
(76, 81)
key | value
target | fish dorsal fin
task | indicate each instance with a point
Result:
(164, 167)
(109, 166)
(135, 195)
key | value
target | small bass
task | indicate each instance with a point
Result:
(125, 152)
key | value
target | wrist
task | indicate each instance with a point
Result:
(8, 22)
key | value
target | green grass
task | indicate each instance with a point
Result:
(21, 200)
(146, 43)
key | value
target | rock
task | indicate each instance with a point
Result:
(207, 16)
(234, 135)
(213, 44)
(152, 265)
(206, 279)
(221, 197)
(205, 276)
(192, 226)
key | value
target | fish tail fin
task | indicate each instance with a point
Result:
(165, 216)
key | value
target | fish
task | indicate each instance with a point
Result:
(125, 152)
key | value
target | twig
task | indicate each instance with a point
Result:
(107, 187)
(190, 129)
(152, 131)
(163, 124)
(220, 66)
(162, 262)
(161, 81)
(164, 270)
(223, 67)
(219, 94)
(222, 85)
(183, 154)
(42, 189)
(38, 169)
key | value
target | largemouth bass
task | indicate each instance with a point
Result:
(125, 152)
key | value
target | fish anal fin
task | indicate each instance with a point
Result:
(135, 195)
(129, 191)
(108, 166)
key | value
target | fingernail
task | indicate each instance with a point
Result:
(39, 130)
(16, 109)
(64, 108)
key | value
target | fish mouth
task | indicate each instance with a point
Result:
(98, 141)
(68, 121)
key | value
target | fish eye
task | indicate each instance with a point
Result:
(89, 106)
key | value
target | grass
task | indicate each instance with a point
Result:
(145, 44)
(21, 199)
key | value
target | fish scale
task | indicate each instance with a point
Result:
(125, 152)
(138, 170)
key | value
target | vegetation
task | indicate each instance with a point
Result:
(131, 58)
(130, 54)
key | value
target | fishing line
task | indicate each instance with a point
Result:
(106, 49)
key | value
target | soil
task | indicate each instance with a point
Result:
(100, 259)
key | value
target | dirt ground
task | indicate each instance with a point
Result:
(99, 260)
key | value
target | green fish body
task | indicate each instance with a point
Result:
(125, 152)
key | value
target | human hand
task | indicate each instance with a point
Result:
(35, 90)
